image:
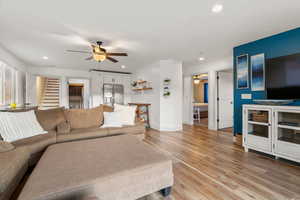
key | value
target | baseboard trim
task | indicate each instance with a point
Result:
(238, 139)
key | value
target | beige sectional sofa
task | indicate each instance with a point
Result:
(62, 126)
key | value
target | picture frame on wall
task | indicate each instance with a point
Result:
(258, 72)
(242, 72)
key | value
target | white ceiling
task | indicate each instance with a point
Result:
(147, 30)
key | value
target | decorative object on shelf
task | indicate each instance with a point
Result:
(242, 72)
(134, 84)
(141, 85)
(259, 116)
(142, 112)
(258, 72)
(167, 87)
(13, 105)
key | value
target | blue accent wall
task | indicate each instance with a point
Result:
(277, 45)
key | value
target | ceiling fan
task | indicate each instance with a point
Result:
(99, 53)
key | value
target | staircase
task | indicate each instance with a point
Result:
(50, 98)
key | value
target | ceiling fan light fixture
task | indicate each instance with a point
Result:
(99, 58)
(98, 54)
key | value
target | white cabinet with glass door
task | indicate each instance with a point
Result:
(287, 133)
(257, 129)
(272, 129)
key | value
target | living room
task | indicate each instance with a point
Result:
(149, 100)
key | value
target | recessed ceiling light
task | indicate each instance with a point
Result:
(45, 58)
(123, 66)
(201, 58)
(217, 8)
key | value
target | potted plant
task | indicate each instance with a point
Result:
(166, 94)
(134, 84)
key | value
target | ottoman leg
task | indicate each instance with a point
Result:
(166, 191)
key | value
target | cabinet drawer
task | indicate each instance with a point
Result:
(259, 143)
(287, 149)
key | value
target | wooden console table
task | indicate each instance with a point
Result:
(142, 112)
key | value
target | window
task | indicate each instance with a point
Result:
(1, 83)
(7, 84)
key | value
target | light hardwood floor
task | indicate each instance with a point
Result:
(208, 166)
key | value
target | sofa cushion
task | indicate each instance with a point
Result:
(80, 134)
(128, 113)
(6, 146)
(138, 128)
(12, 168)
(107, 108)
(85, 118)
(49, 119)
(16, 126)
(37, 143)
(64, 127)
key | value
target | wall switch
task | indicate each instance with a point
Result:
(246, 96)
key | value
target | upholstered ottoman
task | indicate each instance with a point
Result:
(112, 168)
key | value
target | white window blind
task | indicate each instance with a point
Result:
(1, 83)
(7, 84)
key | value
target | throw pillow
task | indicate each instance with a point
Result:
(49, 119)
(127, 114)
(6, 146)
(112, 119)
(16, 126)
(85, 118)
(63, 128)
(107, 108)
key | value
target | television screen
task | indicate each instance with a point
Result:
(283, 77)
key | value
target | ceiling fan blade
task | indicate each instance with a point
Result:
(89, 58)
(112, 59)
(75, 51)
(94, 46)
(116, 54)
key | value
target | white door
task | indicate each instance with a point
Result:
(225, 94)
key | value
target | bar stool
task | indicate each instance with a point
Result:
(196, 113)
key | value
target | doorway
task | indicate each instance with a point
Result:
(200, 99)
(78, 91)
(225, 100)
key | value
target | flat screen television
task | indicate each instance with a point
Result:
(283, 77)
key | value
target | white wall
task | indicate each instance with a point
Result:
(165, 112)
(171, 106)
(187, 100)
(206, 66)
(11, 60)
(96, 83)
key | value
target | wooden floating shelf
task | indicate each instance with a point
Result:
(141, 82)
(141, 89)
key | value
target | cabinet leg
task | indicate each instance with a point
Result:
(276, 157)
(246, 149)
